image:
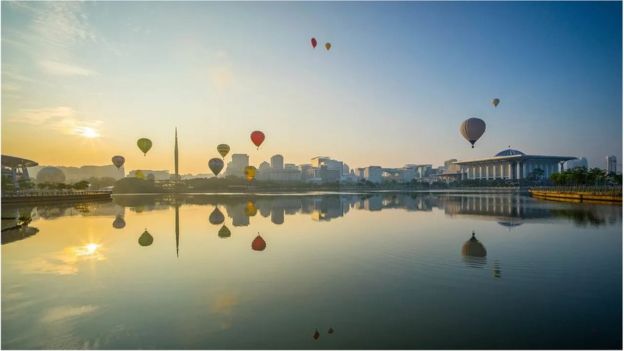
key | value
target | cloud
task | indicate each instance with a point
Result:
(63, 119)
(63, 69)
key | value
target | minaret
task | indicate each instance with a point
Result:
(177, 176)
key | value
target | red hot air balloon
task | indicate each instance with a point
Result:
(258, 244)
(257, 137)
(313, 41)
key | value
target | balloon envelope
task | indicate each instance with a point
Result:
(119, 222)
(495, 102)
(223, 149)
(144, 145)
(224, 232)
(313, 41)
(250, 173)
(139, 174)
(258, 244)
(472, 129)
(250, 209)
(216, 217)
(146, 239)
(118, 161)
(215, 165)
(327, 46)
(257, 137)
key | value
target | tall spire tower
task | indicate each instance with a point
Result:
(177, 175)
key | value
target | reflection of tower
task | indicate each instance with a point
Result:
(175, 151)
(177, 226)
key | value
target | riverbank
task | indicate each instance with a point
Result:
(589, 195)
(55, 197)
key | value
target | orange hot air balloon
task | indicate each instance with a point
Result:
(258, 244)
(257, 137)
(313, 41)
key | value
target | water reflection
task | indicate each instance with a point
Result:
(474, 252)
(146, 239)
(258, 244)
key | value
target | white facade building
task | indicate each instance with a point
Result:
(611, 164)
(510, 164)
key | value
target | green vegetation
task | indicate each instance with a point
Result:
(582, 176)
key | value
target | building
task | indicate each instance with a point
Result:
(373, 174)
(236, 167)
(510, 164)
(16, 169)
(277, 162)
(580, 162)
(611, 164)
(331, 165)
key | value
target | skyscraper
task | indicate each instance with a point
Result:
(611, 164)
(277, 162)
(175, 151)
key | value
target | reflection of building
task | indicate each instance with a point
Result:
(236, 167)
(510, 164)
(611, 164)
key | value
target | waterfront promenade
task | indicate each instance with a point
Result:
(54, 196)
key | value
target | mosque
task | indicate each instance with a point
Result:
(510, 164)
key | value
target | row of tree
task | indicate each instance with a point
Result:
(587, 177)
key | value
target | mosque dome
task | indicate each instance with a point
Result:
(50, 175)
(510, 152)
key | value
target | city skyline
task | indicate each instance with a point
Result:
(83, 81)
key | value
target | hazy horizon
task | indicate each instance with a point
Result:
(81, 82)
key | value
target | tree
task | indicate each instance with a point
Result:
(81, 185)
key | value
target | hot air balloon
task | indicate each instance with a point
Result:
(118, 161)
(495, 102)
(139, 174)
(224, 232)
(258, 244)
(474, 252)
(144, 145)
(250, 173)
(215, 165)
(330, 330)
(257, 137)
(313, 41)
(472, 129)
(250, 209)
(223, 149)
(146, 239)
(327, 46)
(316, 334)
(216, 217)
(119, 222)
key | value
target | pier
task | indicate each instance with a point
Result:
(579, 194)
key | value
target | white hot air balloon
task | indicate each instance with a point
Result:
(472, 129)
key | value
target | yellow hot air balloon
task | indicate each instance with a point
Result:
(223, 149)
(250, 209)
(139, 174)
(472, 129)
(250, 173)
(495, 102)
(327, 46)
(144, 145)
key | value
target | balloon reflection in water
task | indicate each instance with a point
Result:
(224, 232)
(119, 222)
(146, 239)
(216, 217)
(250, 209)
(316, 334)
(258, 244)
(474, 252)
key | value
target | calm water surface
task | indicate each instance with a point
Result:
(381, 270)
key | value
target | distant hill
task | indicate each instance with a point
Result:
(75, 174)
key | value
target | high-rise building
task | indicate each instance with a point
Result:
(277, 162)
(373, 174)
(611, 164)
(236, 167)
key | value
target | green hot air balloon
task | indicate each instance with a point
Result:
(495, 102)
(146, 239)
(215, 165)
(144, 145)
(224, 232)
(223, 149)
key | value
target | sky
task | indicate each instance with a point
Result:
(82, 81)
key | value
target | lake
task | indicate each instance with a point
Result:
(313, 271)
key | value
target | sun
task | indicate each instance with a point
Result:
(87, 132)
